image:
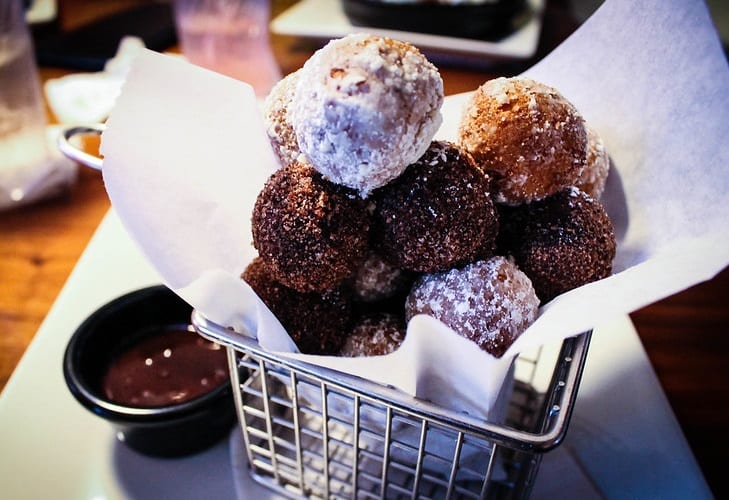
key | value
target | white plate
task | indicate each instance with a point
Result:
(325, 19)
(41, 11)
(623, 442)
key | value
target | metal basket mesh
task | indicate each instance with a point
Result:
(316, 433)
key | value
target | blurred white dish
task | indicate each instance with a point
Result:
(325, 19)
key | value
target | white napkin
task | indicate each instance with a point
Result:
(89, 97)
(48, 174)
(186, 154)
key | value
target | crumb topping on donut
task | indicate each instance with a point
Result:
(527, 136)
(593, 177)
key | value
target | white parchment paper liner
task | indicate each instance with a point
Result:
(186, 154)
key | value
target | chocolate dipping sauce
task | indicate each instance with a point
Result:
(169, 367)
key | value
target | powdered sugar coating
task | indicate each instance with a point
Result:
(276, 117)
(377, 279)
(527, 136)
(366, 107)
(490, 302)
(374, 335)
(593, 177)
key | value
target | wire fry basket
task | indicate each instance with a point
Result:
(314, 432)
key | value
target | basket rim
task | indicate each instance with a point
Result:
(560, 396)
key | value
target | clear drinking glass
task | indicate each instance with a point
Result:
(230, 37)
(23, 143)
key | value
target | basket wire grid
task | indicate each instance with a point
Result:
(314, 432)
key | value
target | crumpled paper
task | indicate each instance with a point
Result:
(186, 154)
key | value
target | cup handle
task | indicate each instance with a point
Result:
(74, 153)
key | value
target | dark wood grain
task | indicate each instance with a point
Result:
(686, 337)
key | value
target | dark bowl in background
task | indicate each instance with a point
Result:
(166, 431)
(484, 20)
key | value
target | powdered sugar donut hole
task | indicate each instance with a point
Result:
(366, 107)
(376, 279)
(374, 334)
(490, 302)
(593, 177)
(276, 118)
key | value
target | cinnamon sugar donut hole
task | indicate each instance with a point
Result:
(438, 214)
(311, 234)
(527, 136)
(366, 107)
(316, 322)
(561, 242)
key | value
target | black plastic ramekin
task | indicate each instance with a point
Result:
(165, 431)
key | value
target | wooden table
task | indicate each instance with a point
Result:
(686, 336)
